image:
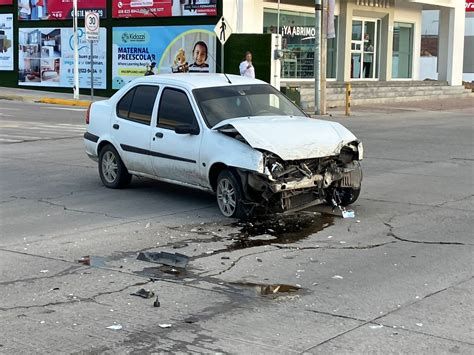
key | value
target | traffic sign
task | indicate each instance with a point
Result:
(222, 30)
(92, 26)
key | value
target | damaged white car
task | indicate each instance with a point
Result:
(237, 137)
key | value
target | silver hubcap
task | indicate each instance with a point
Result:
(226, 198)
(109, 167)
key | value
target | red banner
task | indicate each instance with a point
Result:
(469, 5)
(163, 8)
(58, 9)
(6, 2)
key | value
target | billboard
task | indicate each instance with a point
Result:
(6, 2)
(58, 9)
(163, 8)
(180, 49)
(46, 58)
(469, 5)
(6, 41)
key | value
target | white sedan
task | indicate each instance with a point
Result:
(237, 137)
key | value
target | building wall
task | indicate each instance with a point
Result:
(246, 16)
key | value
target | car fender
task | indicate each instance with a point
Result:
(220, 148)
(111, 139)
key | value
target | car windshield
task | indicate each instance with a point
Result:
(221, 103)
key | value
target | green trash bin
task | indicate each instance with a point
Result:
(293, 93)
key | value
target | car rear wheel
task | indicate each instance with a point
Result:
(229, 195)
(112, 171)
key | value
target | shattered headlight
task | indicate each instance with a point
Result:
(350, 152)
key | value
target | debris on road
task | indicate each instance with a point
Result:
(348, 213)
(268, 289)
(191, 320)
(91, 260)
(143, 293)
(115, 327)
(157, 302)
(164, 258)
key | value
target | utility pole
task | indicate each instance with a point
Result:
(76, 52)
(317, 56)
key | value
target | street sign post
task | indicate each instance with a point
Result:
(223, 32)
(92, 23)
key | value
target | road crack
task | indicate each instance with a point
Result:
(375, 320)
(76, 299)
(393, 235)
(65, 208)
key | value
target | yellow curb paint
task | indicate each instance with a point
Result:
(64, 102)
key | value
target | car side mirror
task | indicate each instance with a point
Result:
(186, 129)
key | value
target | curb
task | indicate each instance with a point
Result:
(46, 100)
(65, 102)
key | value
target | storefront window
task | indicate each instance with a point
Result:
(402, 57)
(297, 30)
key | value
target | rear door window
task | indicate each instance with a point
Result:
(137, 104)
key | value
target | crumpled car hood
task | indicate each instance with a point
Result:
(291, 138)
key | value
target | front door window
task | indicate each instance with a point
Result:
(364, 49)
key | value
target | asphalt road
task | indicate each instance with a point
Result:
(397, 278)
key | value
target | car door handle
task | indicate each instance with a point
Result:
(116, 126)
(159, 134)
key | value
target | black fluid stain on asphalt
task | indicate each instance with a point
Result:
(279, 230)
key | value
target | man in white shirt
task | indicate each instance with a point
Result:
(246, 67)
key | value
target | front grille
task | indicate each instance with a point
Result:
(291, 200)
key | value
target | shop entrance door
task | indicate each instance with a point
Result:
(364, 55)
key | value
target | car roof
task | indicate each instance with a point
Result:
(198, 80)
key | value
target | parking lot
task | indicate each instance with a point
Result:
(396, 278)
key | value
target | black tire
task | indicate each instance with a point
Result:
(347, 196)
(112, 171)
(229, 189)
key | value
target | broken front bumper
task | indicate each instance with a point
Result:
(307, 191)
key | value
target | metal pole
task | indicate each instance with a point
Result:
(76, 53)
(222, 58)
(92, 70)
(317, 57)
(324, 34)
(278, 18)
(348, 99)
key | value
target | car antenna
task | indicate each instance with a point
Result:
(220, 68)
(228, 80)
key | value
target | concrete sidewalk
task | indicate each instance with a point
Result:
(66, 99)
(47, 97)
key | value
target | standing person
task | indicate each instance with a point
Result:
(246, 67)
(150, 69)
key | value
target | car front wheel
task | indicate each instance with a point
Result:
(344, 196)
(112, 171)
(229, 195)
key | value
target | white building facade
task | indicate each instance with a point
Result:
(376, 40)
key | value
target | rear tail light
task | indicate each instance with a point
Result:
(88, 113)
